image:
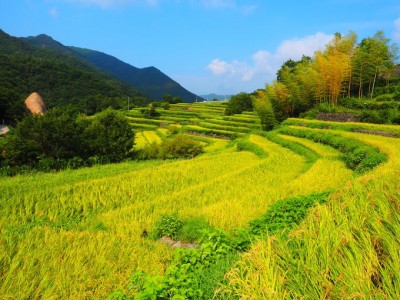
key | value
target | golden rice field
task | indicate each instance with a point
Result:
(347, 249)
(78, 234)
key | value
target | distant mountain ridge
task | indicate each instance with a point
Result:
(151, 81)
(29, 65)
(211, 97)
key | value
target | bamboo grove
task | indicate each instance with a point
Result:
(344, 69)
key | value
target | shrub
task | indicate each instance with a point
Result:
(150, 151)
(285, 214)
(165, 105)
(370, 116)
(192, 228)
(238, 104)
(181, 146)
(357, 156)
(75, 163)
(167, 225)
(150, 113)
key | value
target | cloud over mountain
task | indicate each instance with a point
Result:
(264, 64)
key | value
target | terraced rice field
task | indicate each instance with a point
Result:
(79, 234)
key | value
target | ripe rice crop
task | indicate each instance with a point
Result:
(347, 248)
(80, 234)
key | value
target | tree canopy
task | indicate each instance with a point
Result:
(61, 135)
(344, 69)
(59, 78)
(239, 103)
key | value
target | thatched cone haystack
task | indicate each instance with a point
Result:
(34, 103)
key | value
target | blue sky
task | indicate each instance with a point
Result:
(208, 46)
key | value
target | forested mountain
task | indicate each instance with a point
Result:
(149, 80)
(89, 80)
(58, 76)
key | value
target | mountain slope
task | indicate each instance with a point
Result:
(58, 76)
(149, 80)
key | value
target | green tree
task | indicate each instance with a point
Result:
(300, 81)
(172, 99)
(278, 95)
(110, 136)
(239, 103)
(168, 98)
(56, 135)
(263, 108)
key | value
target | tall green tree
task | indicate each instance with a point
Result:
(374, 57)
(239, 103)
(264, 110)
(110, 136)
(300, 81)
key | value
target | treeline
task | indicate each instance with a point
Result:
(345, 73)
(63, 138)
(59, 78)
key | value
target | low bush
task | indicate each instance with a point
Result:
(359, 157)
(167, 225)
(179, 146)
(192, 229)
(182, 280)
(188, 276)
(150, 113)
(285, 214)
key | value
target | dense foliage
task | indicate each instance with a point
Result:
(109, 135)
(179, 146)
(346, 76)
(285, 214)
(359, 157)
(59, 78)
(238, 104)
(172, 99)
(62, 138)
(184, 279)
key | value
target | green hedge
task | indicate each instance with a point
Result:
(358, 156)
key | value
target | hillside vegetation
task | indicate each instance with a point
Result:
(309, 210)
(361, 78)
(59, 77)
(88, 80)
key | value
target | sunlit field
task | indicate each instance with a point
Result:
(78, 234)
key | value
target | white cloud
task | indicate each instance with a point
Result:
(54, 12)
(297, 47)
(396, 33)
(264, 64)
